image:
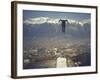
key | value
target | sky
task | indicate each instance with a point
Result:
(49, 34)
(63, 15)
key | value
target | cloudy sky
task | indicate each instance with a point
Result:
(42, 29)
(40, 17)
(63, 15)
